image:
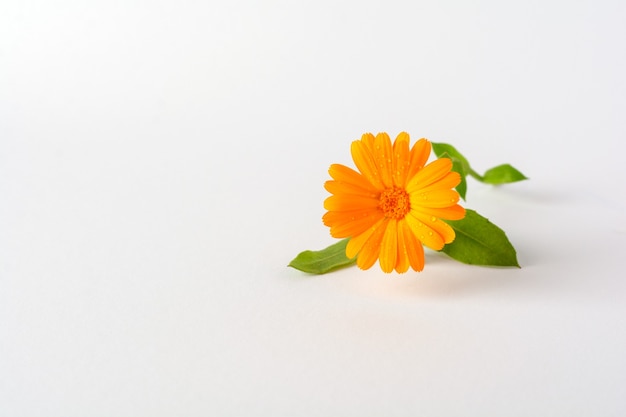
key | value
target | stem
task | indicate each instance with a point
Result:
(476, 175)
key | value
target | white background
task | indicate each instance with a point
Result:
(162, 161)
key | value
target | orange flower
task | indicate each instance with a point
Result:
(394, 205)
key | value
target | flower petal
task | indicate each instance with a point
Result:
(346, 188)
(414, 248)
(454, 212)
(431, 173)
(356, 243)
(383, 153)
(349, 202)
(366, 164)
(351, 223)
(449, 181)
(368, 140)
(332, 218)
(389, 247)
(440, 227)
(435, 199)
(371, 249)
(402, 264)
(419, 156)
(425, 234)
(345, 174)
(400, 168)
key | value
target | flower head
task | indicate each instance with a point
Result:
(394, 204)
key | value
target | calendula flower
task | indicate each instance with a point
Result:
(394, 205)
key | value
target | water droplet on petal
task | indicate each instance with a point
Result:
(433, 219)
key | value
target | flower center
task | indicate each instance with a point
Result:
(395, 203)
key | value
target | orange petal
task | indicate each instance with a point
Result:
(449, 181)
(346, 188)
(370, 251)
(351, 223)
(454, 212)
(365, 163)
(400, 168)
(414, 248)
(344, 174)
(331, 218)
(431, 173)
(389, 247)
(425, 234)
(419, 156)
(382, 157)
(437, 225)
(368, 140)
(402, 264)
(435, 199)
(349, 202)
(356, 243)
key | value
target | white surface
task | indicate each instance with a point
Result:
(161, 163)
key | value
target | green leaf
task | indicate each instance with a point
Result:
(480, 242)
(322, 261)
(441, 149)
(457, 166)
(503, 174)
